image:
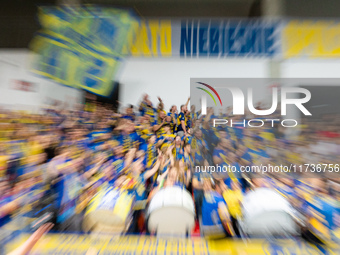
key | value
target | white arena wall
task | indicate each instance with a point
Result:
(311, 68)
(170, 78)
(14, 66)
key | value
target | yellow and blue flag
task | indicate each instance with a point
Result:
(83, 47)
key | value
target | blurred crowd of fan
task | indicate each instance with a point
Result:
(52, 165)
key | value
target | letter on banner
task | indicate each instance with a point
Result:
(165, 35)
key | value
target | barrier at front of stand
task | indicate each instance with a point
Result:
(81, 244)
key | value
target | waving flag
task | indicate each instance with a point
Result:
(83, 47)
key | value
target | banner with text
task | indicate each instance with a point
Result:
(207, 38)
(232, 38)
(311, 39)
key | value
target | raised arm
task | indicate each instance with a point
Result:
(121, 125)
(95, 169)
(186, 104)
(155, 168)
(207, 118)
(160, 142)
(27, 246)
(9, 207)
(171, 156)
(188, 178)
(157, 127)
(129, 157)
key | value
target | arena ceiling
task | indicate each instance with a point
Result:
(189, 8)
(18, 21)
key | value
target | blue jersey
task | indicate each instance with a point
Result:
(187, 139)
(118, 164)
(323, 213)
(257, 155)
(286, 191)
(210, 137)
(131, 117)
(247, 158)
(188, 161)
(168, 139)
(173, 123)
(148, 110)
(140, 192)
(4, 219)
(212, 226)
(128, 141)
(181, 117)
(238, 131)
(194, 115)
(83, 144)
(232, 134)
(178, 153)
(219, 153)
(68, 189)
(197, 145)
(96, 134)
(150, 154)
(94, 139)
